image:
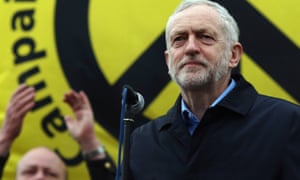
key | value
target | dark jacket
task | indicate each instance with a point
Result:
(246, 136)
(2, 164)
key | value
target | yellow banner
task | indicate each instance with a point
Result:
(34, 50)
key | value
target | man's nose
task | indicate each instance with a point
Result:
(192, 46)
(40, 175)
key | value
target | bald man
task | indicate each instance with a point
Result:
(41, 163)
(38, 163)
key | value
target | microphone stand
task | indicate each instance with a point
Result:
(128, 126)
(132, 104)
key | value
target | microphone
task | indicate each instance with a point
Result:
(134, 101)
(132, 104)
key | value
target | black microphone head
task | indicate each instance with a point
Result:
(134, 101)
(131, 96)
(138, 106)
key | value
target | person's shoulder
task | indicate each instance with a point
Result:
(277, 103)
(152, 125)
(160, 122)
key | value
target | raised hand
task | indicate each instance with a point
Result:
(21, 102)
(81, 127)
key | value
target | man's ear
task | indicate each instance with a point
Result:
(236, 53)
(166, 56)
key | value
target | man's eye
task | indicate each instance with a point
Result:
(29, 172)
(178, 38)
(51, 174)
(207, 39)
(178, 41)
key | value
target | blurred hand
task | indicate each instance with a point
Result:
(82, 127)
(21, 102)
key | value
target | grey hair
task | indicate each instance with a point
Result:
(228, 23)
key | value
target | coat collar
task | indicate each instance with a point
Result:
(239, 100)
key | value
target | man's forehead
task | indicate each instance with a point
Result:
(203, 11)
(42, 157)
(32, 165)
(196, 19)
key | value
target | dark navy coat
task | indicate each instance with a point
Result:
(246, 136)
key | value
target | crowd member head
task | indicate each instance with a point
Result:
(202, 45)
(41, 163)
